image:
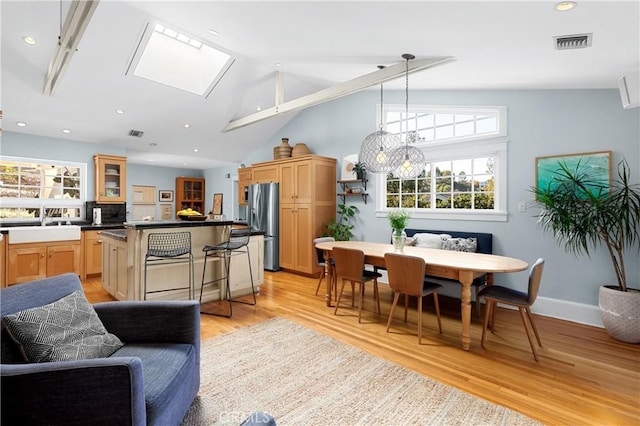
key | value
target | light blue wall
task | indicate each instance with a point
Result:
(540, 123)
(32, 146)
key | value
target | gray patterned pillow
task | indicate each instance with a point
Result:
(461, 244)
(65, 330)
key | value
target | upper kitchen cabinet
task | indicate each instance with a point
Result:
(245, 176)
(190, 194)
(110, 179)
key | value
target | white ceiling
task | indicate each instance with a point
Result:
(497, 45)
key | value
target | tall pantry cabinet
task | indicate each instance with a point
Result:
(307, 203)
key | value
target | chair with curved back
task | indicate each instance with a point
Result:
(407, 276)
(349, 266)
(495, 294)
(322, 263)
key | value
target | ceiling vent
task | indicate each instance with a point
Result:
(576, 41)
(136, 133)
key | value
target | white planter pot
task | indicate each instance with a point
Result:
(621, 313)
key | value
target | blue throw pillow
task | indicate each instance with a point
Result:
(65, 330)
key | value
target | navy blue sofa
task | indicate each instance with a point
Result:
(152, 379)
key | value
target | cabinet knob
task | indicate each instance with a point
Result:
(99, 241)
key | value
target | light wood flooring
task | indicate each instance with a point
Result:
(584, 377)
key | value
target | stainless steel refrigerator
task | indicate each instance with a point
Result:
(263, 215)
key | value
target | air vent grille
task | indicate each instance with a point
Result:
(136, 133)
(575, 41)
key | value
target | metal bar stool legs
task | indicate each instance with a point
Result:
(237, 243)
(225, 255)
(169, 248)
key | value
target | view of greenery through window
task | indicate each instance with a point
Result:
(458, 184)
(463, 184)
(28, 187)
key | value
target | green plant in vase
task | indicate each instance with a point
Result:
(399, 219)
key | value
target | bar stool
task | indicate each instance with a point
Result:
(167, 248)
(236, 244)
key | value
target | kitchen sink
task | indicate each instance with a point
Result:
(41, 234)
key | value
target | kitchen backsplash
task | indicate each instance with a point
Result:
(111, 213)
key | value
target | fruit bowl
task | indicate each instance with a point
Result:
(197, 217)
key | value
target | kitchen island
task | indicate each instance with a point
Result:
(124, 252)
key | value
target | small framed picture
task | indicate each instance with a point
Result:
(165, 196)
(217, 204)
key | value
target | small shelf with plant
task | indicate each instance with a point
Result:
(348, 185)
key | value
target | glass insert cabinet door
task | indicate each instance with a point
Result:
(111, 172)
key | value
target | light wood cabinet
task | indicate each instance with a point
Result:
(190, 194)
(92, 253)
(3, 260)
(110, 178)
(245, 177)
(33, 261)
(114, 262)
(307, 202)
(265, 172)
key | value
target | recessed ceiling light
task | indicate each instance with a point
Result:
(67, 131)
(195, 149)
(151, 159)
(278, 64)
(120, 111)
(258, 108)
(185, 163)
(29, 40)
(565, 5)
(214, 32)
(187, 125)
(21, 124)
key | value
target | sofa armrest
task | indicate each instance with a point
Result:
(152, 322)
(96, 391)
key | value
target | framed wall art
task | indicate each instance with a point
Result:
(217, 204)
(598, 165)
(165, 196)
(166, 211)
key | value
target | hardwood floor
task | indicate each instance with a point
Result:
(584, 377)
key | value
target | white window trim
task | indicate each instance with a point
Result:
(49, 202)
(491, 144)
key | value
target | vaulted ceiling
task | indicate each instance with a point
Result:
(497, 45)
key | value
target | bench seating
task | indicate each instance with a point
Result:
(485, 245)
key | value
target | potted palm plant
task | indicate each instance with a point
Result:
(585, 213)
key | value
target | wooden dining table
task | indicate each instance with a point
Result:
(460, 266)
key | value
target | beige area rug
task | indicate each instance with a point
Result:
(302, 377)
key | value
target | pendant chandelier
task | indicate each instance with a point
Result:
(409, 160)
(378, 147)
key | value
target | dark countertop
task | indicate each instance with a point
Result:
(175, 224)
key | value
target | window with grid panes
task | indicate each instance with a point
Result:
(465, 176)
(30, 187)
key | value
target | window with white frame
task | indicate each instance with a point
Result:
(466, 152)
(31, 188)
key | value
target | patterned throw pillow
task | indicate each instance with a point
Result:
(430, 240)
(461, 244)
(65, 330)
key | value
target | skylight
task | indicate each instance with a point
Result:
(179, 60)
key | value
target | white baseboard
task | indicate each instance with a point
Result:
(569, 311)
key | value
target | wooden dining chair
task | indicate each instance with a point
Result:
(349, 266)
(322, 263)
(407, 276)
(495, 294)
